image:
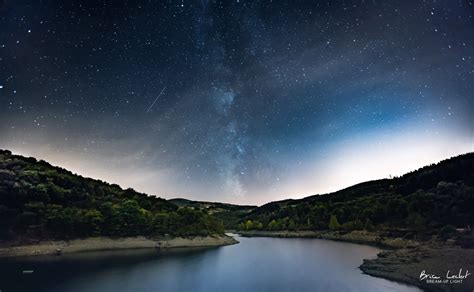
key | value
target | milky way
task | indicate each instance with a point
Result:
(237, 101)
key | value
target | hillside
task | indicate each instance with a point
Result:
(229, 214)
(435, 196)
(38, 200)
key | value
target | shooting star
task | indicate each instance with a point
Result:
(163, 90)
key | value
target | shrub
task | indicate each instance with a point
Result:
(447, 231)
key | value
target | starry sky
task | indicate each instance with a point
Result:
(237, 101)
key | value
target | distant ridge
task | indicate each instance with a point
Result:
(44, 201)
(431, 197)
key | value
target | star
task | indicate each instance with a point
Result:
(245, 92)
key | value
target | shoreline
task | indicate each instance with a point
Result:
(401, 260)
(57, 247)
(358, 236)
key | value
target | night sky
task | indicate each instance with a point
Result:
(241, 101)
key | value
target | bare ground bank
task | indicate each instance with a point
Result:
(106, 243)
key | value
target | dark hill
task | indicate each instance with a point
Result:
(430, 197)
(229, 214)
(38, 200)
(212, 207)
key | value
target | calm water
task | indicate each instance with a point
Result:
(256, 264)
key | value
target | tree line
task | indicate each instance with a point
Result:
(38, 200)
(430, 198)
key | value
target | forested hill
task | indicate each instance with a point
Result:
(38, 200)
(212, 207)
(431, 197)
(229, 214)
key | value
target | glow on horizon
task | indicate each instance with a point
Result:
(245, 108)
(349, 162)
(358, 160)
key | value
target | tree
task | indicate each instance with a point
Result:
(353, 225)
(37, 199)
(248, 225)
(93, 220)
(272, 225)
(291, 225)
(368, 225)
(416, 221)
(333, 223)
(447, 231)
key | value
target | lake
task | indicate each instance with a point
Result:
(255, 264)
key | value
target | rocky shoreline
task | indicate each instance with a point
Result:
(407, 264)
(402, 260)
(55, 247)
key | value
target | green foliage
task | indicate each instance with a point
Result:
(247, 225)
(333, 223)
(429, 198)
(45, 201)
(250, 225)
(37, 199)
(93, 221)
(228, 214)
(353, 225)
(273, 225)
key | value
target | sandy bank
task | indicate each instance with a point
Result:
(106, 243)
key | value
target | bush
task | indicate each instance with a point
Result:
(353, 225)
(333, 223)
(447, 232)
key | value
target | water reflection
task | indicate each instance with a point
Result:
(256, 264)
